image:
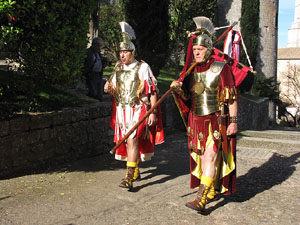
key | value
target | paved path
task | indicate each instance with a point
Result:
(87, 192)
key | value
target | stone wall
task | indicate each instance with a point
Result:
(253, 115)
(37, 141)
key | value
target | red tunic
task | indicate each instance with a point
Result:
(148, 137)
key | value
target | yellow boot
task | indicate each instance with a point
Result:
(211, 194)
(136, 175)
(127, 181)
(199, 203)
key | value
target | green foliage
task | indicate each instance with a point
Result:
(109, 29)
(181, 20)
(53, 42)
(150, 22)
(6, 6)
(165, 79)
(7, 30)
(18, 94)
(250, 29)
(264, 87)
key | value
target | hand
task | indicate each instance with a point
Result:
(108, 86)
(232, 129)
(176, 84)
(152, 120)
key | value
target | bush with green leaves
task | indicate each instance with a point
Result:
(181, 20)
(266, 87)
(51, 47)
(109, 29)
(8, 31)
(48, 39)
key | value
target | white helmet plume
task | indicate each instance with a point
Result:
(128, 30)
(204, 24)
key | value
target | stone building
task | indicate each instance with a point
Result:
(288, 64)
(294, 31)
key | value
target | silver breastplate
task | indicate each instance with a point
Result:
(205, 90)
(127, 84)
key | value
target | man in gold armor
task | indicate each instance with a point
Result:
(207, 98)
(134, 89)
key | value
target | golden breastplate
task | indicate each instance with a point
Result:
(127, 84)
(204, 91)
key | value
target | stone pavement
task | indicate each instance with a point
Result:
(87, 192)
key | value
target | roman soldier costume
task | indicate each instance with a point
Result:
(132, 86)
(203, 101)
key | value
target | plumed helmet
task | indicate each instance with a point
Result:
(205, 30)
(128, 35)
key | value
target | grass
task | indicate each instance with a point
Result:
(17, 96)
(165, 78)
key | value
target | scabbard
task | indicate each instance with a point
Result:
(222, 123)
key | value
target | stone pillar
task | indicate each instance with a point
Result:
(267, 49)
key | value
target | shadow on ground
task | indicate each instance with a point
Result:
(171, 159)
(259, 179)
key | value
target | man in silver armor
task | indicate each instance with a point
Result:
(135, 91)
(207, 98)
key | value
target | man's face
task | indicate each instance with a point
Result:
(126, 57)
(199, 52)
(97, 46)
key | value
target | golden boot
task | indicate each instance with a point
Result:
(127, 181)
(211, 194)
(199, 203)
(137, 175)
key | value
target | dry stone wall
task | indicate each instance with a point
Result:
(37, 141)
(253, 115)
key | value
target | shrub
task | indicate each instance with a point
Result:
(51, 46)
(109, 29)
